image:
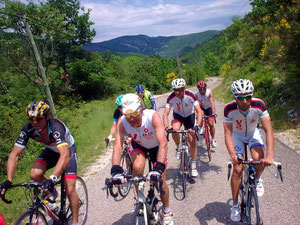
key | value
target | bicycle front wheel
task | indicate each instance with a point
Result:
(31, 217)
(208, 143)
(127, 167)
(252, 212)
(184, 171)
(140, 215)
(83, 202)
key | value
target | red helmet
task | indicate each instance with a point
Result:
(201, 84)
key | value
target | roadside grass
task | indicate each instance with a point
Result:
(89, 124)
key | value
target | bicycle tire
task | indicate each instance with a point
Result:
(242, 195)
(127, 167)
(83, 202)
(29, 218)
(139, 217)
(252, 202)
(183, 170)
(208, 143)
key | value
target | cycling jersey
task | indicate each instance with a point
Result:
(148, 100)
(145, 134)
(117, 115)
(245, 123)
(183, 107)
(59, 135)
(204, 99)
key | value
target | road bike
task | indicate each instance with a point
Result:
(185, 158)
(40, 213)
(247, 192)
(207, 136)
(148, 209)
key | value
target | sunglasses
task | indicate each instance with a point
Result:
(179, 89)
(140, 92)
(241, 98)
(36, 119)
(134, 114)
(201, 89)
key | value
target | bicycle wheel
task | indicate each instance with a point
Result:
(140, 215)
(208, 143)
(242, 195)
(127, 167)
(252, 210)
(184, 171)
(83, 202)
(31, 217)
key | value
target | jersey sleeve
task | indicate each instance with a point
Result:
(59, 133)
(117, 115)
(23, 137)
(260, 106)
(227, 109)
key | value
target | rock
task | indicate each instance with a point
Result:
(293, 115)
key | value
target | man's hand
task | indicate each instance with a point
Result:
(117, 174)
(169, 128)
(267, 161)
(196, 128)
(108, 139)
(234, 159)
(4, 186)
(155, 174)
(48, 185)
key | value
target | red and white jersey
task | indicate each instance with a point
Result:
(183, 107)
(204, 99)
(244, 123)
(145, 134)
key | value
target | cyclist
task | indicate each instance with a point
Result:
(207, 104)
(60, 151)
(117, 115)
(240, 126)
(146, 97)
(146, 129)
(184, 103)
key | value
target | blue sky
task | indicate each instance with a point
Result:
(115, 18)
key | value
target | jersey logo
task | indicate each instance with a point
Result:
(134, 137)
(22, 134)
(178, 106)
(146, 130)
(252, 121)
(239, 124)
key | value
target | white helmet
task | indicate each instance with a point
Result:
(242, 86)
(178, 83)
(130, 103)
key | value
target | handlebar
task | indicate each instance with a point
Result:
(214, 115)
(179, 132)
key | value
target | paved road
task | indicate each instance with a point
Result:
(208, 198)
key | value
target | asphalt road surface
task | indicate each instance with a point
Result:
(208, 199)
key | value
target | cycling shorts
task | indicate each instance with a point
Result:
(254, 139)
(49, 158)
(145, 151)
(188, 122)
(208, 112)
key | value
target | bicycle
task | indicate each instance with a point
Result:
(39, 213)
(185, 158)
(207, 136)
(148, 209)
(247, 190)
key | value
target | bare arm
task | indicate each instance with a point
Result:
(212, 102)
(13, 161)
(267, 126)
(165, 117)
(161, 138)
(116, 156)
(229, 141)
(63, 161)
(199, 114)
(113, 128)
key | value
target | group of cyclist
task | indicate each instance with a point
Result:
(137, 118)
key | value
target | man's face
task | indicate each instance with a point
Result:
(243, 101)
(202, 91)
(134, 118)
(38, 123)
(141, 94)
(179, 92)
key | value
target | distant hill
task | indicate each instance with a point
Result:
(165, 46)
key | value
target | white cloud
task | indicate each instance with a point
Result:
(118, 17)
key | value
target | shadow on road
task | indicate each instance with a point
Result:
(126, 219)
(219, 211)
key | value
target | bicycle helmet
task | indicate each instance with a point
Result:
(118, 100)
(178, 83)
(37, 109)
(242, 86)
(201, 84)
(130, 103)
(140, 88)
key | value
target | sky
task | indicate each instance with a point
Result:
(115, 18)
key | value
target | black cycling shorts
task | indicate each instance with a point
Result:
(188, 122)
(208, 111)
(49, 158)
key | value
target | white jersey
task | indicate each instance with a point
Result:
(245, 123)
(204, 99)
(145, 134)
(183, 107)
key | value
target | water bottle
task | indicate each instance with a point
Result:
(52, 206)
